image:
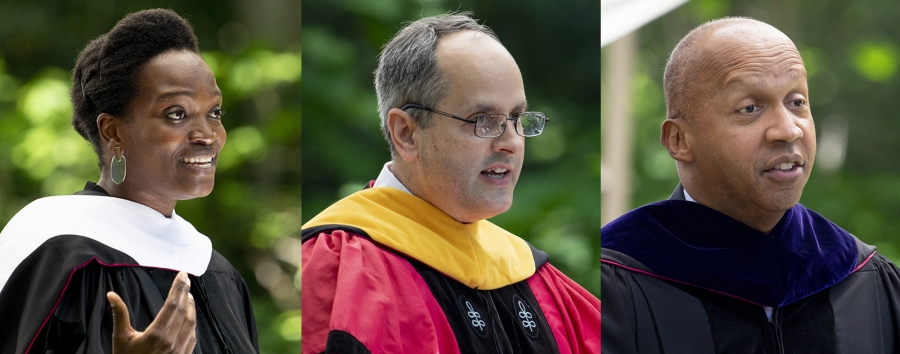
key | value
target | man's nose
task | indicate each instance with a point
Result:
(509, 141)
(785, 126)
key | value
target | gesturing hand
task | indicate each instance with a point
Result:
(173, 331)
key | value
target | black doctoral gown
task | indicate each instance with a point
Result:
(54, 299)
(678, 277)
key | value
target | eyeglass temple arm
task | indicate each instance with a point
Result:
(418, 106)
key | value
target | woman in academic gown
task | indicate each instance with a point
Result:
(113, 268)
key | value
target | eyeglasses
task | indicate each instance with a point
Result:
(527, 124)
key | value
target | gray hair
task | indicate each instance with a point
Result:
(407, 67)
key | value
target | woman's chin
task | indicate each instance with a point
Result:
(183, 189)
(200, 191)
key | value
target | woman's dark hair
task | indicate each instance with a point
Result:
(105, 76)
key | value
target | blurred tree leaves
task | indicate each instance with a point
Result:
(875, 61)
(252, 215)
(555, 44)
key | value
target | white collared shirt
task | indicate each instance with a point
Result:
(687, 196)
(387, 179)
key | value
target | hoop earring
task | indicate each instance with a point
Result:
(117, 167)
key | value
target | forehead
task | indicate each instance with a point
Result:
(478, 68)
(471, 53)
(176, 69)
(753, 51)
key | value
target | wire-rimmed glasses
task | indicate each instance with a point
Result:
(527, 124)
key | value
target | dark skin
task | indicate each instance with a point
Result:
(748, 144)
(175, 116)
(173, 331)
(171, 136)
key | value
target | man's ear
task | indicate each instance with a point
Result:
(402, 126)
(673, 137)
(109, 131)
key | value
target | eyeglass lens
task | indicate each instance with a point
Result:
(493, 125)
(531, 124)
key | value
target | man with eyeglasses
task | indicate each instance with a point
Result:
(410, 265)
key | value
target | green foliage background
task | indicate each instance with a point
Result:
(852, 53)
(557, 47)
(253, 214)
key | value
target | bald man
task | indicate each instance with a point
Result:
(732, 263)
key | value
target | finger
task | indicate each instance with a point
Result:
(173, 310)
(121, 318)
(177, 303)
(188, 334)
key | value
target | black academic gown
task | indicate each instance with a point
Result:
(678, 277)
(55, 299)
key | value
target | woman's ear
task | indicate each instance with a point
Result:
(109, 131)
(673, 136)
(402, 126)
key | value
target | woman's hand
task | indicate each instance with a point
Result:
(173, 330)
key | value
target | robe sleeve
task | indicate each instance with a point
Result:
(228, 300)
(55, 300)
(571, 311)
(360, 298)
(620, 323)
(890, 285)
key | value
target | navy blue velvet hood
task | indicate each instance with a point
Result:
(688, 242)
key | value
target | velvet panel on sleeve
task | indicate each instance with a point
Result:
(381, 301)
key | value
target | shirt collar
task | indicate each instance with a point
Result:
(687, 196)
(387, 179)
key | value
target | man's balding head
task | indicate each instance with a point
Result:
(694, 59)
(738, 120)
